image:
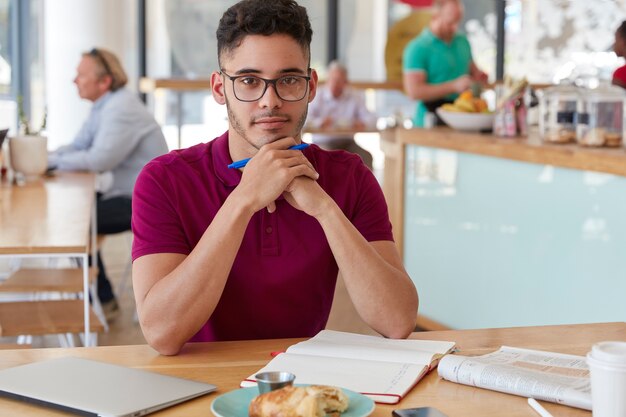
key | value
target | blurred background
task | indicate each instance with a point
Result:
(41, 40)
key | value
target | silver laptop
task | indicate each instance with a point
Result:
(96, 388)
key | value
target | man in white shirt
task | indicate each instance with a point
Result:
(338, 107)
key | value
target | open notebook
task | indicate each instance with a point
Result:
(95, 388)
(383, 369)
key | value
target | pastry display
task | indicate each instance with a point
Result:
(600, 117)
(612, 139)
(592, 137)
(561, 136)
(557, 113)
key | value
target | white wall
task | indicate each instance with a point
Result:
(72, 27)
(362, 38)
(157, 41)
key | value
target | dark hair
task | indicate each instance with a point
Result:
(621, 30)
(263, 17)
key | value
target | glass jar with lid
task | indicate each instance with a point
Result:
(600, 117)
(557, 113)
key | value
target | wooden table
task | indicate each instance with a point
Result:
(51, 217)
(227, 363)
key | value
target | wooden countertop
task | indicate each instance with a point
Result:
(227, 363)
(530, 149)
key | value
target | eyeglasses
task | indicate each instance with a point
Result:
(252, 88)
(96, 54)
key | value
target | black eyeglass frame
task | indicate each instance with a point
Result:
(96, 54)
(267, 81)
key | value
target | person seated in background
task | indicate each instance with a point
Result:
(619, 76)
(254, 252)
(118, 138)
(337, 106)
(438, 63)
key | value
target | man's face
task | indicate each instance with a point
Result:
(91, 86)
(254, 124)
(337, 81)
(450, 15)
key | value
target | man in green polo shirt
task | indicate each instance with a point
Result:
(438, 63)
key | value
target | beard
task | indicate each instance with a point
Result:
(243, 127)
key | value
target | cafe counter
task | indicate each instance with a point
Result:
(500, 232)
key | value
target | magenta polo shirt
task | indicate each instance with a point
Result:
(283, 279)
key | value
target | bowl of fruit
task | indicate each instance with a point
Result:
(467, 113)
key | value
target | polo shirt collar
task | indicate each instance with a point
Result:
(221, 159)
(428, 34)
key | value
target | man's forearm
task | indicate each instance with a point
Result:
(382, 292)
(430, 92)
(179, 303)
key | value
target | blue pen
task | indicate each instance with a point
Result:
(243, 162)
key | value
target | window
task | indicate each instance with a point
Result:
(8, 115)
(552, 40)
(21, 60)
(5, 38)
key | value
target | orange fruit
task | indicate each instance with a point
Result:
(466, 95)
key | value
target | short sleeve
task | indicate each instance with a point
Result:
(414, 57)
(157, 227)
(620, 74)
(371, 215)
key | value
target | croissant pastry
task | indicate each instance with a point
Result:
(311, 401)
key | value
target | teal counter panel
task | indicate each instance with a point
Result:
(492, 242)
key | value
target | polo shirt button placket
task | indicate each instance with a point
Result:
(269, 239)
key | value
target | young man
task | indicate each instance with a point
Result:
(228, 254)
(118, 138)
(438, 63)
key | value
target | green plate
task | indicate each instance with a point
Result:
(235, 403)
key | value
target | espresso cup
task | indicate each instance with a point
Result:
(270, 381)
(607, 364)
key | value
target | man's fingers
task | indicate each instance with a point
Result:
(304, 170)
(282, 143)
(298, 159)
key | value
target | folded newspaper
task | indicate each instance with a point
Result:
(547, 376)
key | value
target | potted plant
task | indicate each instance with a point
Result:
(24, 122)
(29, 149)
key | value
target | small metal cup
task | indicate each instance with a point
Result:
(270, 381)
